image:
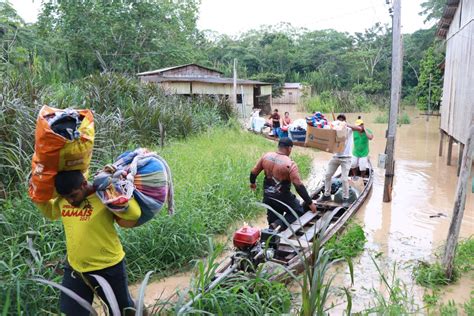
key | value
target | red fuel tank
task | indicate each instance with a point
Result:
(246, 237)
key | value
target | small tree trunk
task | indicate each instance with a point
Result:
(459, 206)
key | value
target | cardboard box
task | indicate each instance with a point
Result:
(324, 139)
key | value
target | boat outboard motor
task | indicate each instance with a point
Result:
(251, 245)
(271, 237)
(249, 250)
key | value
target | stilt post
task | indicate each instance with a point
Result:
(441, 141)
(461, 152)
(450, 149)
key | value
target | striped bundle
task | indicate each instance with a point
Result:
(140, 173)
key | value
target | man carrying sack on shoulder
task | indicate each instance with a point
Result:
(63, 148)
(92, 243)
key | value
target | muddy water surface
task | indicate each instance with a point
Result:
(409, 229)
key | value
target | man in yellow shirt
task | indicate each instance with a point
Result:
(92, 243)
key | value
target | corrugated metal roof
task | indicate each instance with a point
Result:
(210, 80)
(292, 85)
(157, 71)
(448, 14)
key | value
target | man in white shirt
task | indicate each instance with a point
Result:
(342, 159)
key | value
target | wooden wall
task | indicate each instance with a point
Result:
(176, 87)
(213, 89)
(457, 106)
(289, 96)
(266, 90)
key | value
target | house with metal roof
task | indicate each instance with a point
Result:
(194, 79)
(292, 93)
(456, 27)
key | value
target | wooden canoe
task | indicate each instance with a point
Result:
(302, 232)
(296, 240)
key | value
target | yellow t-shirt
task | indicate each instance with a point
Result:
(91, 239)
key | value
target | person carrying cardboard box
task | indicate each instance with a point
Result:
(342, 159)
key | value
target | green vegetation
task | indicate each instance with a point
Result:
(342, 101)
(316, 283)
(83, 54)
(464, 260)
(32, 246)
(469, 305)
(404, 118)
(73, 40)
(448, 309)
(432, 299)
(244, 294)
(400, 300)
(430, 84)
(433, 306)
(433, 275)
(349, 244)
(127, 114)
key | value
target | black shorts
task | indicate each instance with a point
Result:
(115, 275)
(290, 200)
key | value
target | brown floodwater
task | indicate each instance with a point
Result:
(411, 228)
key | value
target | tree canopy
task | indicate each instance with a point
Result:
(73, 39)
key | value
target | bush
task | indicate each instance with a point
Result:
(339, 101)
(369, 86)
(349, 244)
(383, 118)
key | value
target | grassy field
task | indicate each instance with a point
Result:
(211, 191)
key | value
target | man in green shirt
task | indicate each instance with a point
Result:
(360, 152)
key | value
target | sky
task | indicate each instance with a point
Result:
(233, 17)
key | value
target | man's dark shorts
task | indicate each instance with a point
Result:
(290, 200)
(115, 275)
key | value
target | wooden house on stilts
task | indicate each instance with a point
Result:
(457, 106)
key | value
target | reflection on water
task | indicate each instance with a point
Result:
(407, 230)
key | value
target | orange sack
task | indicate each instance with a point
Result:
(64, 140)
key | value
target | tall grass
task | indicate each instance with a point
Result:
(31, 247)
(242, 294)
(395, 299)
(127, 114)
